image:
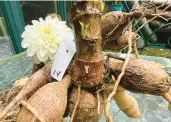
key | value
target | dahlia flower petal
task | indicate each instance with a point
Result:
(53, 48)
(25, 43)
(35, 60)
(51, 56)
(41, 19)
(43, 51)
(48, 18)
(27, 27)
(42, 59)
(46, 45)
(35, 22)
(31, 50)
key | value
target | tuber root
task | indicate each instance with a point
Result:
(87, 109)
(141, 76)
(49, 102)
(123, 40)
(16, 88)
(167, 96)
(37, 80)
(113, 24)
(18, 85)
(127, 103)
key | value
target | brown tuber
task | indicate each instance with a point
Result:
(123, 40)
(87, 110)
(113, 24)
(142, 76)
(49, 101)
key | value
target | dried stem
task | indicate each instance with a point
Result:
(145, 24)
(109, 117)
(116, 113)
(63, 120)
(135, 50)
(32, 110)
(162, 4)
(155, 16)
(105, 108)
(76, 104)
(34, 119)
(12, 113)
(98, 105)
(9, 120)
(166, 8)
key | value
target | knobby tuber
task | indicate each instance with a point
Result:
(123, 40)
(49, 101)
(36, 67)
(141, 76)
(87, 110)
(114, 24)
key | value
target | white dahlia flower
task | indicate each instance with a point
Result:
(43, 38)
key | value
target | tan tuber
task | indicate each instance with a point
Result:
(87, 110)
(141, 76)
(49, 102)
(127, 103)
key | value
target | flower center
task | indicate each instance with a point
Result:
(46, 30)
(47, 35)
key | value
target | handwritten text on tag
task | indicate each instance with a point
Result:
(62, 59)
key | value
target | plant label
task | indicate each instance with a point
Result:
(62, 59)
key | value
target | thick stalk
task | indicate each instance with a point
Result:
(88, 68)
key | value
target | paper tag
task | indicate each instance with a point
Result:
(62, 59)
